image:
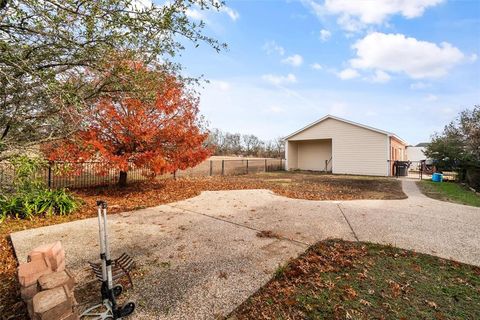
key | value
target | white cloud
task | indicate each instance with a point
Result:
(275, 109)
(473, 57)
(348, 74)
(317, 66)
(195, 14)
(381, 76)
(272, 47)
(221, 85)
(356, 15)
(296, 60)
(279, 80)
(139, 5)
(419, 85)
(401, 54)
(325, 35)
(234, 15)
(431, 98)
(338, 109)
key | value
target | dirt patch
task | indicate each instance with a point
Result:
(350, 280)
(268, 234)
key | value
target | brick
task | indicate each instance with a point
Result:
(56, 279)
(53, 252)
(27, 293)
(53, 304)
(29, 304)
(71, 316)
(61, 266)
(48, 248)
(28, 273)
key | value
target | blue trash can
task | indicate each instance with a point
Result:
(437, 177)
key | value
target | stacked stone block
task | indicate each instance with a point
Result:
(45, 285)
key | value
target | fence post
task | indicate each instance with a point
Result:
(49, 174)
(211, 167)
(265, 165)
(247, 166)
(223, 167)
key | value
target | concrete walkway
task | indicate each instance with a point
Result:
(199, 258)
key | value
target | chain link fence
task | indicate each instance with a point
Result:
(92, 174)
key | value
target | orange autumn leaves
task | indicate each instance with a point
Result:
(157, 127)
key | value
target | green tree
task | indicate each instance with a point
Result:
(51, 50)
(458, 145)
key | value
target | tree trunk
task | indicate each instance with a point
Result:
(122, 180)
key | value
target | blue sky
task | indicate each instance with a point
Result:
(406, 66)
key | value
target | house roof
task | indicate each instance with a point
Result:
(328, 116)
(422, 144)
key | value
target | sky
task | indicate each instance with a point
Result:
(404, 66)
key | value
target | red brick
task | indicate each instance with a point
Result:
(56, 279)
(53, 304)
(53, 252)
(27, 293)
(61, 265)
(28, 273)
(72, 316)
(29, 304)
(48, 248)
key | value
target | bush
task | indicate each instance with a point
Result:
(31, 197)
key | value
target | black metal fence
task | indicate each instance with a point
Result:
(90, 174)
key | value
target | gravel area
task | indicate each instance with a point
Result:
(200, 258)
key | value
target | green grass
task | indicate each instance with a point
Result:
(349, 280)
(450, 191)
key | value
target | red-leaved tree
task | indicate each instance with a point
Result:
(157, 127)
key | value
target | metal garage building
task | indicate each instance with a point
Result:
(343, 147)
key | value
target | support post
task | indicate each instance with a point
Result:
(211, 167)
(247, 166)
(223, 167)
(326, 165)
(265, 165)
(49, 175)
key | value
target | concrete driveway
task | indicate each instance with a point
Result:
(200, 258)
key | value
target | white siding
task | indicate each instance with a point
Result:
(355, 150)
(291, 154)
(416, 153)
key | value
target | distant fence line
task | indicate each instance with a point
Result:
(91, 174)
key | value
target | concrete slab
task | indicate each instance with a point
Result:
(299, 220)
(199, 258)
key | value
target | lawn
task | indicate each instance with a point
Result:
(147, 194)
(450, 191)
(349, 280)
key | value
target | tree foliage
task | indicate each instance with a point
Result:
(226, 143)
(158, 129)
(49, 50)
(458, 145)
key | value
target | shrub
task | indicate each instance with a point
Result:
(31, 197)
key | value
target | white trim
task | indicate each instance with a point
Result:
(333, 156)
(286, 156)
(399, 139)
(389, 173)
